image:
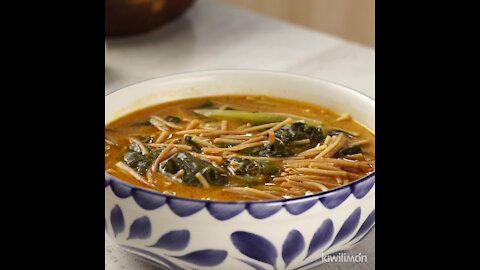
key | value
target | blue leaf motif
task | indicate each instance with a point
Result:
(140, 228)
(321, 237)
(155, 256)
(255, 247)
(117, 220)
(299, 207)
(206, 257)
(348, 226)
(184, 208)
(147, 200)
(335, 198)
(173, 240)
(361, 189)
(224, 211)
(107, 181)
(252, 264)
(292, 247)
(367, 224)
(121, 190)
(263, 210)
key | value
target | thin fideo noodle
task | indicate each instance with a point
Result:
(315, 168)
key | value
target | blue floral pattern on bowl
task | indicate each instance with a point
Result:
(182, 233)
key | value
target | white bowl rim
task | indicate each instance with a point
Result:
(233, 70)
(255, 71)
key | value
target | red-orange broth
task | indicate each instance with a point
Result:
(238, 148)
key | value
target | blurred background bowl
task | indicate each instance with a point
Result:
(130, 17)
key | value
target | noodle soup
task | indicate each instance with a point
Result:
(238, 148)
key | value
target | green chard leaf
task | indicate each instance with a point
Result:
(192, 165)
(352, 150)
(140, 163)
(173, 119)
(283, 139)
(242, 166)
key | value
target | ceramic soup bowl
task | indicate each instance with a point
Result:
(181, 233)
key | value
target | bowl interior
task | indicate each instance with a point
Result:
(225, 82)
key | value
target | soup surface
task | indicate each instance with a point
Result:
(238, 148)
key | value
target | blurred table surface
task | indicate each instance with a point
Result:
(213, 35)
